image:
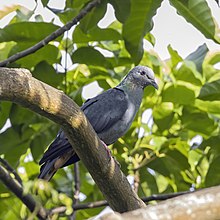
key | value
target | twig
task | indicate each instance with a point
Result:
(17, 189)
(102, 203)
(76, 189)
(52, 36)
(11, 170)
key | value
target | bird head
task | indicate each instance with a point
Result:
(142, 76)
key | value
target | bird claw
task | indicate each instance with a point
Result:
(110, 154)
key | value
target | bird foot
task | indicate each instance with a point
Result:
(110, 154)
(107, 149)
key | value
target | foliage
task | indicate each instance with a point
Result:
(176, 149)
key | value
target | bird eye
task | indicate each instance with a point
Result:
(142, 73)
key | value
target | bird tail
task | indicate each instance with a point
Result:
(47, 170)
(50, 167)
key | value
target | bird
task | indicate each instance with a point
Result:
(111, 114)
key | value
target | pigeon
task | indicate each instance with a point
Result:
(111, 114)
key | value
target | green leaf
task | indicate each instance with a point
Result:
(122, 9)
(163, 115)
(208, 106)
(175, 57)
(178, 94)
(49, 53)
(26, 31)
(46, 73)
(210, 91)
(95, 34)
(137, 25)
(198, 56)
(93, 17)
(89, 56)
(198, 13)
(197, 121)
(213, 175)
(4, 112)
(188, 73)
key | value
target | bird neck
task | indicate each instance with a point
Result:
(133, 91)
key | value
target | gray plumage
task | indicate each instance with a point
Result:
(110, 113)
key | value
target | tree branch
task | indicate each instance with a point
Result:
(10, 169)
(203, 205)
(17, 189)
(52, 36)
(17, 85)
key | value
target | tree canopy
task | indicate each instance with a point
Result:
(173, 144)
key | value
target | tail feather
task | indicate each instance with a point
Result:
(50, 167)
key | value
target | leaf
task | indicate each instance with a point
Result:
(198, 13)
(178, 94)
(49, 53)
(175, 57)
(46, 73)
(137, 25)
(89, 56)
(163, 115)
(197, 121)
(95, 34)
(213, 175)
(187, 72)
(93, 17)
(198, 56)
(210, 91)
(208, 106)
(122, 9)
(26, 31)
(4, 112)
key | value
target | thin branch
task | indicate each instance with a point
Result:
(10, 169)
(52, 36)
(17, 189)
(102, 203)
(76, 189)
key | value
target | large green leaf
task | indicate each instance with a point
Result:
(95, 34)
(137, 25)
(89, 56)
(210, 91)
(188, 73)
(4, 112)
(163, 115)
(93, 17)
(213, 175)
(49, 53)
(199, 122)
(178, 94)
(122, 9)
(46, 73)
(26, 31)
(198, 56)
(198, 13)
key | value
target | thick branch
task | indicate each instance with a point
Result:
(17, 85)
(52, 36)
(17, 189)
(203, 205)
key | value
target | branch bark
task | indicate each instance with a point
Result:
(18, 85)
(203, 205)
(52, 36)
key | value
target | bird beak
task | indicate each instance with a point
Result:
(154, 84)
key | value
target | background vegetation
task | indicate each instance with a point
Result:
(160, 152)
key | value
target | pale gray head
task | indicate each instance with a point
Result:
(141, 76)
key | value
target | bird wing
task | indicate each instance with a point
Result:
(58, 147)
(106, 109)
(102, 111)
